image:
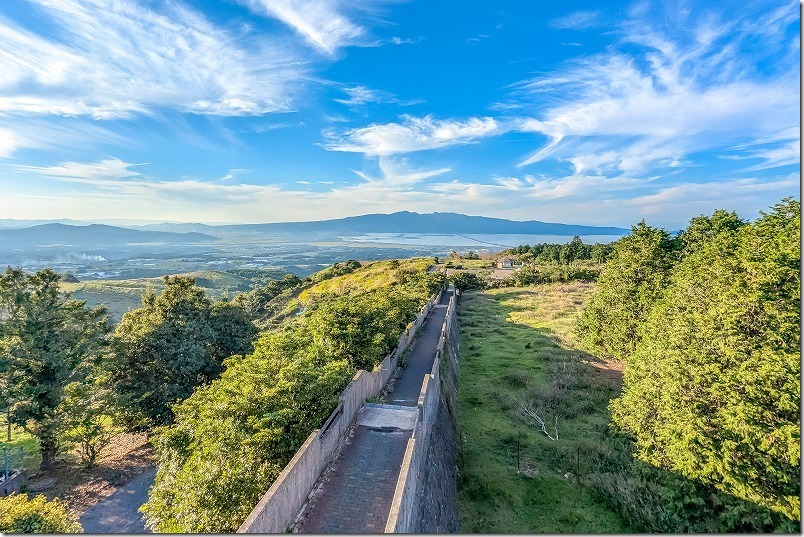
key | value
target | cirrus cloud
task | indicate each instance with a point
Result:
(118, 59)
(412, 134)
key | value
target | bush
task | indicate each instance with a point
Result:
(466, 281)
(21, 514)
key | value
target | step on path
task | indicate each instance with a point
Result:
(354, 493)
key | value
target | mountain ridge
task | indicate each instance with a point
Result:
(406, 222)
(91, 235)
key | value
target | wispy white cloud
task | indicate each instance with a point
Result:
(688, 92)
(397, 173)
(26, 132)
(115, 59)
(103, 172)
(319, 22)
(578, 20)
(360, 95)
(395, 40)
(412, 134)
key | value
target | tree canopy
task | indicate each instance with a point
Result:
(176, 341)
(711, 343)
(47, 342)
(631, 282)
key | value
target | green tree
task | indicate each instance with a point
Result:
(21, 514)
(572, 251)
(631, 282)
(600, 252)
(702, 229)
(173, 343)
(47, 341)
(712, 390)
(361, 328)
(85, 422)
(232, 438)
(466, 281)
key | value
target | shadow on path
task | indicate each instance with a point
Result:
(119, 512)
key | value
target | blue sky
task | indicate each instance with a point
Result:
(282, 110)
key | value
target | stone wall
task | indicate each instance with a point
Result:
(425, 498)
(278, 507)
(436, 506)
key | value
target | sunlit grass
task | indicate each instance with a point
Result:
(20, 440)
(370, 276)
(512, 341)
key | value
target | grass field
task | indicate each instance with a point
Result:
(517, 351)
(20, 439)
(121, 296)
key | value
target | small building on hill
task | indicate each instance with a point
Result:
(505, 263)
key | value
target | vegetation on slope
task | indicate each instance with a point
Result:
(231, 438)
(374, 275)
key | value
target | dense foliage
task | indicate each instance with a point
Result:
(575, 250)
(21, 514)
(257, 302)
(466, 281)
(231, 438)
(629, 286)
(176, 341)
(47, 342)
(709, 328)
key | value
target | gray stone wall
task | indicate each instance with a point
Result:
(436, 508)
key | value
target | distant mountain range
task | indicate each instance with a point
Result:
(402, 222)
(101, 235)
(90, 236)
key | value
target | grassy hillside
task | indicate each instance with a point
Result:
(517, 348)
(371, 275)
(121, 296)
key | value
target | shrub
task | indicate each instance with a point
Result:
(21, 514)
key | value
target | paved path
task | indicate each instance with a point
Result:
(354, 494)
(422, 354)
(119, 512)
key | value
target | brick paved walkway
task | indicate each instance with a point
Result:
(422, 354)
(354, 494)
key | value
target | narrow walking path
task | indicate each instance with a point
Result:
(354, 493)
(119, 512)
(422, 354)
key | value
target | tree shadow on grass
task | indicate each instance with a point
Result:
(536, 367)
